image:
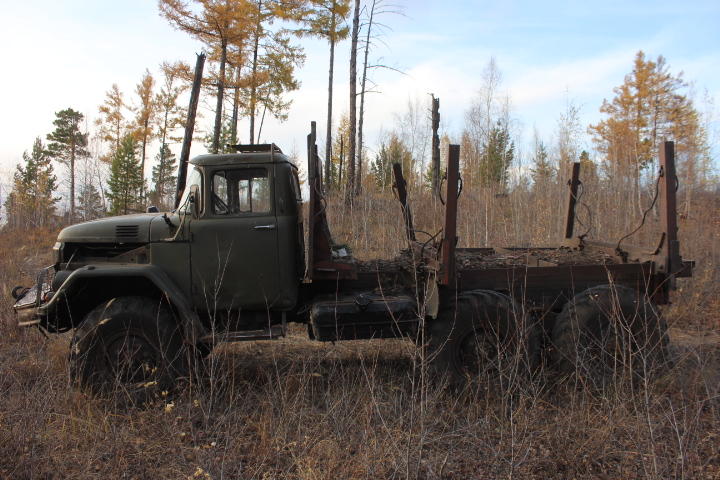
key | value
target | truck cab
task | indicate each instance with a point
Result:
(230, 253)
(245, 231)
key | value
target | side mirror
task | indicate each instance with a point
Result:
(194, 200)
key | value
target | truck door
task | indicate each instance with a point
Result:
(234, 242)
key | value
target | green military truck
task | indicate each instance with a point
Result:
(148, 294)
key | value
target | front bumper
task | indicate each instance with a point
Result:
(28, 302)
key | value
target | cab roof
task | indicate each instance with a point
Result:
(258, 153)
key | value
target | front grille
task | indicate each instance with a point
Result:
(127, 232)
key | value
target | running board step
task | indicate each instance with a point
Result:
(273, 333)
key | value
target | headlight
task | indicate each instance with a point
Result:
(58, 249)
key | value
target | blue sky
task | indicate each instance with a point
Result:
(68, 53)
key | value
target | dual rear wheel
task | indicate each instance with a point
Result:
(485, 334)
(609, 331)
(600, 334)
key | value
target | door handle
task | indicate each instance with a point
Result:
(264, 227)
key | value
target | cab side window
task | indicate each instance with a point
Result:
(242, 191)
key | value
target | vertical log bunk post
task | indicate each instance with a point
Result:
(447, 273)
(668, 188)
(572, 200)
(320, 262)
(189, 128)
(401, 187)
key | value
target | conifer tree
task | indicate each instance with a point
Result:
(125, 181)
(31, 202)
(648, 107)
(588, 169)
(68, 144)
(542, 170)
(90, 204)
(394, 151)
(496, 156)
(164, 179)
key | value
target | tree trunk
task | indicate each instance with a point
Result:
(72, 179)
(328, 136)
(358, 184)
(340, 165)
(236, 106)
(253, 86)
(142, 162)
(220, 93)
(353, 92)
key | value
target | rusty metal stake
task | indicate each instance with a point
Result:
(447, 274)
(572, 200)
(401, 186)
(189, 128)
(668, 188)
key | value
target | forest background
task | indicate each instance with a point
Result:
(545, 70)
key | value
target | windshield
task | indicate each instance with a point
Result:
(194, 178)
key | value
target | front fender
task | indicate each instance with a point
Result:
(106, 278)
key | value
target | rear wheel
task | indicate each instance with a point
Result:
(130, 347)
(606, 331)
(486, 334)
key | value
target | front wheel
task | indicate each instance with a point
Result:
(129, 346)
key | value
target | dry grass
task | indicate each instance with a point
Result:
(303, 410)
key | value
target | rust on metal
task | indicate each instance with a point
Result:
(668, 187)
(321, 264)
(447, 273)
(572, 200)
(400, 186)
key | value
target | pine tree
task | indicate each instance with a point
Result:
(394, 151)
(90, 204)
(496, 156)
(125, 181)
(31, 202)
(588, 169)
(542, 170)
(164, 179)
(67, 145)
